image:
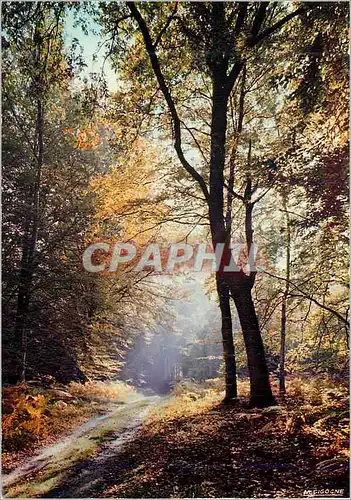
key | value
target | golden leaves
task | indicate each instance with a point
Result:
(26, 420)
(84, 138)
(126, 197)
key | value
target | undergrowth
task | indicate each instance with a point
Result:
(24, 418)
(101, 391)
(35, 415)
(316, 409)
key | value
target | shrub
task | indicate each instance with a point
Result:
(24, 420)
(101, 391)
(316, 391)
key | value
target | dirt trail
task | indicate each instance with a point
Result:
(69, 469)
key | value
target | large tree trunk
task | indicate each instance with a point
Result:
(222, 287)
(260, 390)
(231, 391)
(239, 285)
(219, 235)
(216, 203)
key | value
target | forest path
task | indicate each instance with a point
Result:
(69, 469)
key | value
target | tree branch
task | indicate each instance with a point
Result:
(233, 193)
(259, 198)
(275, 27)
(309, 297)
(233, 75)
(242, 11)
(257, 37)
(196, 141)
(259, 18)
(168, 22)
(150, 47)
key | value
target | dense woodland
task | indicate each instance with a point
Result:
(228, 122)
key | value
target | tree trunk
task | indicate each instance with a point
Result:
(231, 391)
(282, 388)
(219, 235)
(20, 327)
(217, 59)
(28, 251)
(216, 201)
(260, 390)
(238, 283)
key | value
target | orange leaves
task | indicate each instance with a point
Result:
(102, 391)
(24, 420)
(84, 138)
(126, 199)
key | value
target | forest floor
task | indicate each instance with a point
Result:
(52, 472)
(189, 445)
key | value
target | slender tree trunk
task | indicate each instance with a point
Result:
(28, 251)
(32, 217)
(282, 388)
(231, 391)
(233, 153)
(20, 326)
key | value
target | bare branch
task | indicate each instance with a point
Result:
(196, 141)
(233, 193)
(272, 29)
(309, 297)
(263, 194)
(233, 75)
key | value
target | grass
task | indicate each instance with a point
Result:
(187, 399)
